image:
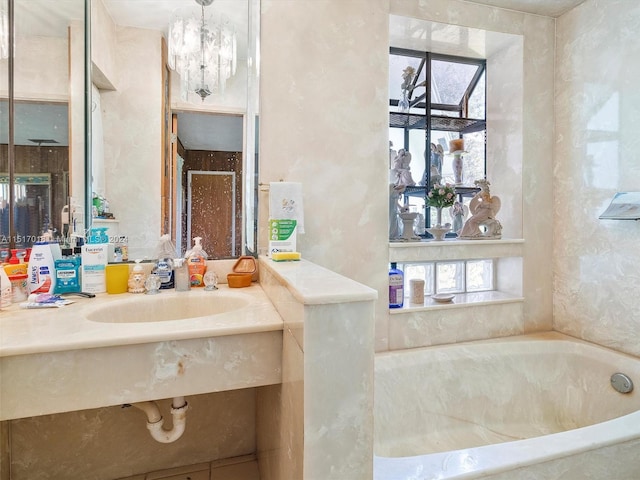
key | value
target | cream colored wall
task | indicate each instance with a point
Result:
(104, 49)
(597, 262)
(324, 104)
(132, 123)
(528, 182)
(32, 81)
(323, 122)
(520, 143)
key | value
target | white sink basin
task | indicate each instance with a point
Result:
(169, 306)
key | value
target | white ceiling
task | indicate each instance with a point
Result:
(219, 133)
(548, 8)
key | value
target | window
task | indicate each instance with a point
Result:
(452, 276)
(434, 99)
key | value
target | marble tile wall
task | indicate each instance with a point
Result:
(318, 424)
(439, 326)
(520, 138)
(132, 149)
(324, 123)
(597, 262)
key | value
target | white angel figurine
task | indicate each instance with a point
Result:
(459, 213)
(483, 208)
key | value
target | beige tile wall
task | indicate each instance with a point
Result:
(597, 262)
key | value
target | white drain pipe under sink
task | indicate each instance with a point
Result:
(155, 421)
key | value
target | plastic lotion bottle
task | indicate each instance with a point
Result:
(41, 269)
(396, 287)
(94, 262)
(5, 289)
(197, 263)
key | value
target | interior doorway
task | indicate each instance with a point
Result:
(207, 178)
(212, 211)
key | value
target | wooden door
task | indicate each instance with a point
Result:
(212, 212)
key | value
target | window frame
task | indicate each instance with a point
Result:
(424, 102)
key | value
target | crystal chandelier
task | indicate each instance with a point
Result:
(202, 52)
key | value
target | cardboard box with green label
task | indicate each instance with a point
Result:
(282, 235)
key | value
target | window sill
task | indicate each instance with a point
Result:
(454, 249)
(461, 300)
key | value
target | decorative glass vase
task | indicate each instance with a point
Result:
(439, 231)
(438, 217)
(458, 171)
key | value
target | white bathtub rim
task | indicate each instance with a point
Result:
(503, 457)
(514, 343)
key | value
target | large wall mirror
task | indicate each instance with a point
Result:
(170, 142)
(41, 91)
(159, 155)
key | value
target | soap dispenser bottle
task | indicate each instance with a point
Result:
(137, 279)
(181, 275)
(197, 263)
(164, 265)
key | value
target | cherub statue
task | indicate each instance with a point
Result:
(408, 75)
(401, 171)
(395, 191)
(483, 208)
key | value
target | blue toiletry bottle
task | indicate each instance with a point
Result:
(396, 287)
(67, 273)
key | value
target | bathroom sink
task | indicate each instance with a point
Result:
(165, 307)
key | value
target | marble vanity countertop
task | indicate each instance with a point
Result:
(312, 284)
(30, 331)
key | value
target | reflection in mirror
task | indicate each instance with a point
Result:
(209, 172)
(144, 180)
(39, 107)
(41, 162)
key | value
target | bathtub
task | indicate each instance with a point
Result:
(529, 407)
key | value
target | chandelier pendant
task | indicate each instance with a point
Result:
(202, 51)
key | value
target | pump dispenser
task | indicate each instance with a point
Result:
(197, 263)
(164, 265)
(137, 278)
(181, 271)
